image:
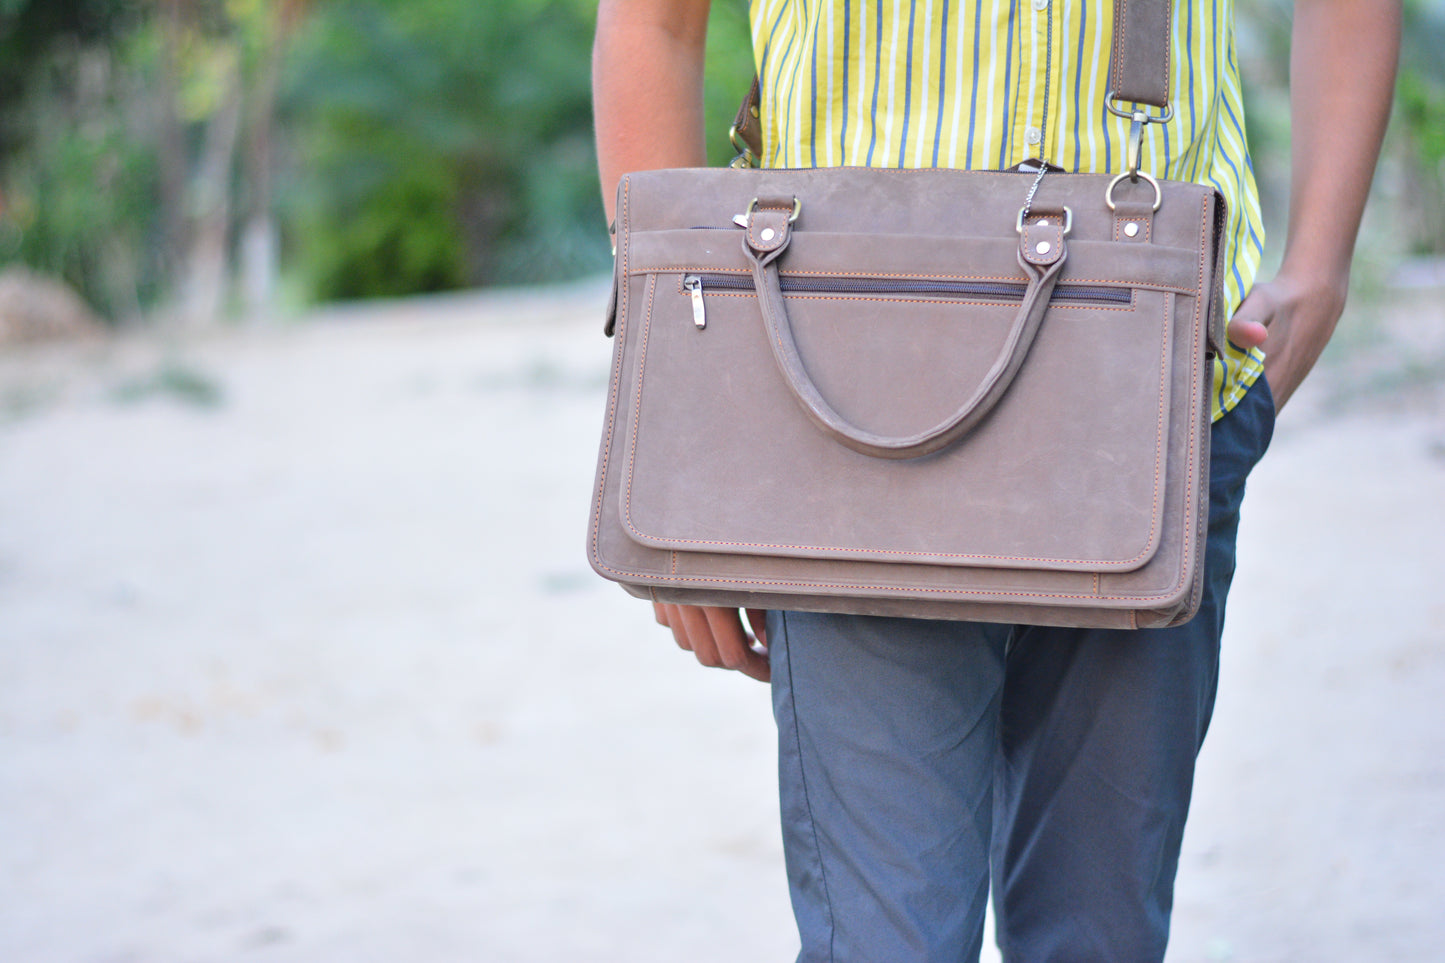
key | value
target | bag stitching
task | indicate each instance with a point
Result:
(1012, 278)
(632, 459)
(615, 389)
(939, 300)
(901, 592)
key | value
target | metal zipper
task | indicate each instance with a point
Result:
(693, 284)
(1004, 291)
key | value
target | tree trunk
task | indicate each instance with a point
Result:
(208, 263)
(172, 138)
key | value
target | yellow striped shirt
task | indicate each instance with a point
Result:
(991, 83)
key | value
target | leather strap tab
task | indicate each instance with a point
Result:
(1042, 240)
(1139, 70)
(747, 125)
(769, 228)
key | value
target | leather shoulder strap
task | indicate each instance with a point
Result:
(747, 129)
(1138, 70)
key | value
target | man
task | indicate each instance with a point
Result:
(917, 759)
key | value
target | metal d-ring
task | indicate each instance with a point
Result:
(752, 205)
(746, 158)
(1133, 176)
(1068, 220)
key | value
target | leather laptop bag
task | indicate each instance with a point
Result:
(928, 393)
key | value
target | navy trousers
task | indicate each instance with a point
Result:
(919, 759)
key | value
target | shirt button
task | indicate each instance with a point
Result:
(1040, 4)
(1033, 135)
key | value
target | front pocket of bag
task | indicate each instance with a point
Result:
(1065, 473)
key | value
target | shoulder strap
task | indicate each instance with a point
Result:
(1138, 71)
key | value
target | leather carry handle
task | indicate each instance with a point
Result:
(1042, 254)
(1138, 68)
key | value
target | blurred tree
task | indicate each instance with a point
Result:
(1420, 124)
(156, 152)
(267, 28)
(448, 142)
(77, 175)
(442, 143)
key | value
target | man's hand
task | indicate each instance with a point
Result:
(1297, 317)
(717, 637)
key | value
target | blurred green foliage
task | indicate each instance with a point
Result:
(390, 147)
(416, 145)
(448, 142)
(79, 174)
(1419, 131)
(1409, 198)
(443, 142)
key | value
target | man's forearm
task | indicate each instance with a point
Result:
(1342, 73)
(647, 87)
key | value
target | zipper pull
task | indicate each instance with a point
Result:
(693, 284)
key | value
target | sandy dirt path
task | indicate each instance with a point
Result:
(301, 660)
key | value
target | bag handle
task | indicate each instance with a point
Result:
(1042, 255)
(1138, 73)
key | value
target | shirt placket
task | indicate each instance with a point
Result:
(1035, 54)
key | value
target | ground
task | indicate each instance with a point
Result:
(301, 660)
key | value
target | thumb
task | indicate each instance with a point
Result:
(758, 622)
(1249, 328)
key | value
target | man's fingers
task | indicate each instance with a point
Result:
(758, 622)
(733, 646)
(700, 636)
(672, 618)
(716, 636)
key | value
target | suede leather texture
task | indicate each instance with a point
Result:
(1078, 499)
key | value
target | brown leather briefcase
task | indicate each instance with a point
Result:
(928, 393)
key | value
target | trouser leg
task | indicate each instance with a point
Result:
(1099, 733)
(887, 732)
(890, 732)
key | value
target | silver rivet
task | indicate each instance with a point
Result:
(1043, 222)
(768, 234)
(1130, 229)
(1044, 247)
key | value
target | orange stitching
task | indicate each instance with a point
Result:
(901, 590)
(1122, 219)
(941, 299)
(641, 373)
(757, 245)
(1121, 14)
(615, 387)
(1149, 538)
(1194, 413)
(902, 300)
(1168, 43)
(1131, 283)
